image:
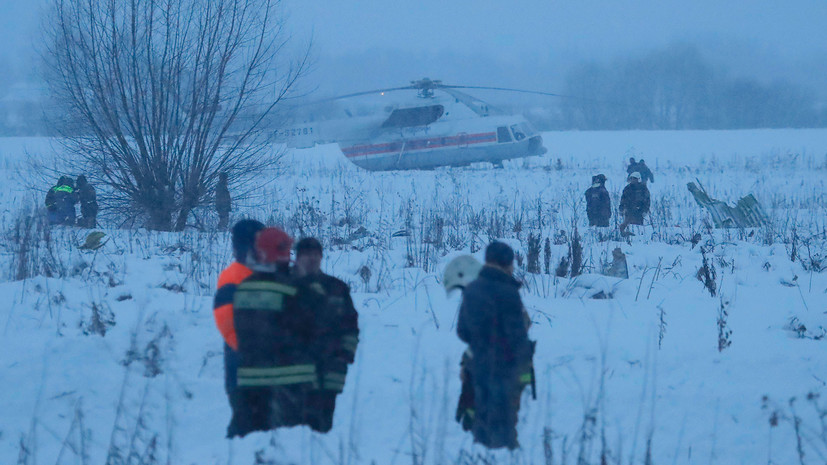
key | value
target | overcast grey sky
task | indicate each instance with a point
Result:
(532, 42)
(486, 40)
(537, 27)
(18, 27)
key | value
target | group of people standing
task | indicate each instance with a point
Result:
(62, 198)
(634, 201)
(289, 332)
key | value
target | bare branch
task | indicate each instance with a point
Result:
(159, 94)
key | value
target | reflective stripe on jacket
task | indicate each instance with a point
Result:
(273, 333)
(277, 375)
(336, 335)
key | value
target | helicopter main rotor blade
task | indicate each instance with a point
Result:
(537, 92)
(367, 92)
(572, 97)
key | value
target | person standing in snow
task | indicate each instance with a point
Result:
(493, 322)
(60, 202)
(634, 202)
(243, 238)
(598, 203)
(645, 173)
(222, 201)
(632, 168)
(276, 367)
(336, 333)
(88, 203)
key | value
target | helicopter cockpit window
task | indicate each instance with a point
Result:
(518, 132)
(503, 135)
(419, 116)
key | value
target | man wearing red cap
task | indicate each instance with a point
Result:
(276, 368)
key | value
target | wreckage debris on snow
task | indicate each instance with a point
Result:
(747, 213)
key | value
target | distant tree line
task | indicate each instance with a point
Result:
(671, 88)
(676, 88)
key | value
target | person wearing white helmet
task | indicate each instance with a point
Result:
(634, 202)
(459, 273)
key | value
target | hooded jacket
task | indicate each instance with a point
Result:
(491, 322)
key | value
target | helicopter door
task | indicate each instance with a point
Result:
(463, 140)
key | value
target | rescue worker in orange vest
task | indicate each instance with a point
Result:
(243, 238)
(276, 366)
(336, 335)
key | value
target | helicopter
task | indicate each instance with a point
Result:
(441, 126)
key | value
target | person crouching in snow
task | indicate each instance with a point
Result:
(88, 203)
(60, 202)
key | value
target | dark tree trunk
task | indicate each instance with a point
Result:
(181, 221)
(159, 205)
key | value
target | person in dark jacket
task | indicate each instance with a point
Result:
(337, 331)
(276, 367)
(634, 202)
(493, 322)
(60, 202)
(88, 203)
(222, 201)
(598, 203)
(645, 173)
(243, 239)
(632, 168)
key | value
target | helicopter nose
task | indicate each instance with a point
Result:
(535, 145)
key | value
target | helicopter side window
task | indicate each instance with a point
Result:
(503, 135)
(518, 132)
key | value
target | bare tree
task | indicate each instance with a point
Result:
(160, 96)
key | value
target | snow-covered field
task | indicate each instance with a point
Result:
(114, 355)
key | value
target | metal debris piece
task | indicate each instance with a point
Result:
(747, 213)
